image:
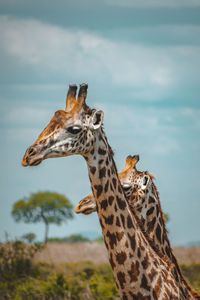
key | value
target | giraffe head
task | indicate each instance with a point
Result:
(135, 183)
(70, 131)
(87, 205)
(131, 180)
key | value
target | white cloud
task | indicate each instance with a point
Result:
(150, 72)
(27, 115)
(158, 131)
(165, 145)
(20, 135)
(154, 3)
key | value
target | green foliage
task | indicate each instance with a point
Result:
(21, 279)
(29, 237)
(101, 286)
(77, 238)
(71, 239)
(44, 207)
(40, 281)
(192, 273)
(100, 239)
(53, 206)
(166, 218)
(15, 260)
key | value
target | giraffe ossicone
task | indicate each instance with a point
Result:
(140, 273)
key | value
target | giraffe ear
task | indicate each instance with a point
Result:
(146, 179)
(97, 119)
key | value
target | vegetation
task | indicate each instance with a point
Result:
(71, 239)
(100, 239)
(192, 272)
(44, 207)
(21, 279)
(166, 218)
(29, 237)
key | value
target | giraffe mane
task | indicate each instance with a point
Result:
(174, 260)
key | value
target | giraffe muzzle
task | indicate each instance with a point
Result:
(31, 158)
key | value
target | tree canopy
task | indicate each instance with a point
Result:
(47, 207)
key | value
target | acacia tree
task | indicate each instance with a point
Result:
(44, 207)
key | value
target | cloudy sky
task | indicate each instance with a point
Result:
(141, 60)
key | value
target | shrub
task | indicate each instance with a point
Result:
(192, 273)
(29, 237)
(15, 260)
(71, 239)
(21, 279)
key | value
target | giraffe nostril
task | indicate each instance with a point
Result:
(31, 151)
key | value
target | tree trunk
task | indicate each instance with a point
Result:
(46, 227)
(46, 232)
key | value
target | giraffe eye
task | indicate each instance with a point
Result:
(126, 187)
(74, 129)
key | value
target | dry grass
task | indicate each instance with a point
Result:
(73, 252)
(97, 253)
(187, 256)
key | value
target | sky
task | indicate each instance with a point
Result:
(141, 60)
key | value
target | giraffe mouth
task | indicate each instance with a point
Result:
(36, 162)
(26, 162)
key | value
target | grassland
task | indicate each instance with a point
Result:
(71, 271)
(97, 253)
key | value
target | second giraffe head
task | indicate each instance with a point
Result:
(131, 180)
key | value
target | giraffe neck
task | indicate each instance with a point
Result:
(137, 269)
(146, 205)
(148, 209)
(159, 233)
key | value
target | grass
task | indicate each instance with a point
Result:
(22, 279)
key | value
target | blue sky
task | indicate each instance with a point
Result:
(141, 60)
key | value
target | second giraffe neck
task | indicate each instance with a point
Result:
(151, 216)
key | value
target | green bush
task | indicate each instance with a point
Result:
(71, 239)
(31, 290)
(192, 273)
(21, 279)
(16, 260)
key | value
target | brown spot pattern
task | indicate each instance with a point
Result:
(118, 222)
(112, 263)
(101, 151)
(134, 271)
(109, 220)
(93, 170)
(99, 190)
(121, 257)
(144, 283)
(121, 203)
(121, 279)
(158, 233)
(120, 235)
(104, 204)
(123, 219)
(110, 200)
(102, 172)
(145, 262)
(106, 186)
(112, 239)
(150, 211)
(132, 241)
(129, 222)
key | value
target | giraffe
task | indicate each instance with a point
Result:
(143, 199)
(139, 272)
